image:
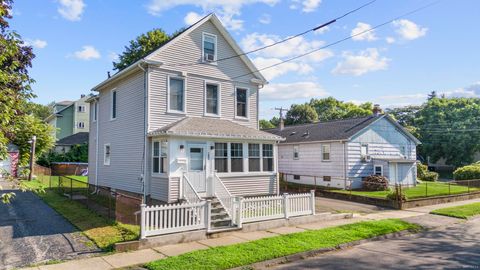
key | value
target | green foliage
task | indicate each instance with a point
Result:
(424, 174)
(38, 110)
(143, 45)
(265, 124)
(468, 172)
(301, 114)
(78, 153)
(375, 183)
(333, 109)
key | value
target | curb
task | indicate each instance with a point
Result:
(314, 253)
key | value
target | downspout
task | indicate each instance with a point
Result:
(143, 175)
(97, 109)
(345, 165)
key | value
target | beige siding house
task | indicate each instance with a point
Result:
(183, 116)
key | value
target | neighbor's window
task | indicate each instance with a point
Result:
(221, 157)
(95, 109)
(236, 154)
(267, 157)
(81, 125)
(106, 154)
(326, 152)
(253, 157)
(378, 170)
(176, 90)
(364, 150)
(327, 178)
(212, 99)
(81, 108)
(114, 104)
(209, 47)
(241, 100)
(296, 154)
(296, 177)
(159, 157)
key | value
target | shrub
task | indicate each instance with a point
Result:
(424, 174)
(468, 172)
(375, 183)
(395, 196)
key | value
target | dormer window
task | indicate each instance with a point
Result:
(209, 53)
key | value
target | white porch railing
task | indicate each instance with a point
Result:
(224, 196)
(157, 220)
(188, 192)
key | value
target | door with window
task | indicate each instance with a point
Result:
(197, 167)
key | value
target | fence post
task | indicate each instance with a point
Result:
(312, 200)
(286, 205)
(181, 188)
(50, 181)
(449, 192)
(426, 189)
(240, 210)
(315, 179)
(208, 214)
(468, 186)
(142, 221)
(71, 189)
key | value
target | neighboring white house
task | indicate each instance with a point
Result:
(179, 118)
(342, 152)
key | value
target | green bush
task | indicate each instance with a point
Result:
(424, 174)
(375, 183)
(468, 172)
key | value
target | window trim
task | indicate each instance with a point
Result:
(116, 104)
(184, 79)
(214, 62)
(297, 146)
(82, 108)
(159, 173)
(247, 114)
(366, 147)
(329, 152)
(375, 169)
(219, 99)
(105, 163)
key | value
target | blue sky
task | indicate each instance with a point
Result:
(436, 49)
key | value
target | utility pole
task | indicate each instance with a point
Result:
(32, 155)
(281, 110)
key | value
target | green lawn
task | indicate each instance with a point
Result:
(269, 248)
(425, 189)
(102, 231)
(462, 211)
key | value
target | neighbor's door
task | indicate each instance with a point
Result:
(197, 167)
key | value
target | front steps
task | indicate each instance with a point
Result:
(219, 219)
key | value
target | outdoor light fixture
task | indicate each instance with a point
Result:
(182, 146)
(212, 147)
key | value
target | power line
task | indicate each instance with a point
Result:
(341, 40)
(283, 40)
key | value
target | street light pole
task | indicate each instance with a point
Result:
(32, 154)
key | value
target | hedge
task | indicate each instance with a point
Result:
(424, 174)
(468, 172)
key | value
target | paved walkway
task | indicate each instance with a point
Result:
(119, 260)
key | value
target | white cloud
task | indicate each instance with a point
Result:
(113, 56)
(390, 40)
(274, 72)
(71, 10)
(362, 27)
(36, 43)
(265, 19)
(192, 17)
(409, 30)
(288, 91)
(366, 61)
(310, 5)
(472, 90)
(322, 30)
(228, 10)
(87, 53)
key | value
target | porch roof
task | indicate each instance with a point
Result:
(213, 128)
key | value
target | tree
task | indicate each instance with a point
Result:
(39, 110)
(301, 114)
(265, 124)
(333, 109)
(432, 95)
(143, 45)
(405, 116)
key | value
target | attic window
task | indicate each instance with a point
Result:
(209, 53)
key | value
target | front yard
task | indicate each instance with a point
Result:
(462, 211)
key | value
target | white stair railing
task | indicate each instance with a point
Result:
(188, 191)
(224, 196)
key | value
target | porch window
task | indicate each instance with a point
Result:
(267, 157)
(176, 94)
(378, 170)
(236, 154)
(159, 157)
(241, 102)
(221, 157)
(253, 157)
(211, 99)
(326, 152)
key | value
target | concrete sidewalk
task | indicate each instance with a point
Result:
(138, 257)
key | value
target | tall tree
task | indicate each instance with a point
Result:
(432, 95)
(143, 45)
(265, 124)
(333, 109)
(301, 114)
(39, 110)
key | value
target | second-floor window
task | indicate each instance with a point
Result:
(81, 108)
(95, 111)
(212, 99)
(241, 102)
(81, 125)
(176, 94)
(209, 47)
(114, 104)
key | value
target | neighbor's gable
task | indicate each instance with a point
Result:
(382, 131)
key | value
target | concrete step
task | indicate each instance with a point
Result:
(221, 223)
(220, 215)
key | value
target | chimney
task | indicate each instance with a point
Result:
(82, 96)
(377, 110)
(108, 74)
(282, 125)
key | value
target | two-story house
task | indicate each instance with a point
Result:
(183, 116)
(70, 117)
(340, 153)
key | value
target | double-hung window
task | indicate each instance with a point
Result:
(81, 108)
(114, 104)
(159, 157)
(325, 152)
(241, 102)
(267, 154)
(106, 154)
(296, 150)
(253, 157)
(236, 157)
(81, 125)
(378, 170)
(212, 99)
(221, 157)
(95, 109)
(209, 47)
(176, 94)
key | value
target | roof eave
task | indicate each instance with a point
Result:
(213, 136)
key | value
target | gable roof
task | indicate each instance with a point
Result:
(77, 138)
(337, 130)
(216, 22)
(213, 128)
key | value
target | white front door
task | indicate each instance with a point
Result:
(197, 167)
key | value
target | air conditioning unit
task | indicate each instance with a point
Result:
(209, 57)
(366, 158)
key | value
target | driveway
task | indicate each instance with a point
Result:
(31, 232)
(456, 246)
(341, 206)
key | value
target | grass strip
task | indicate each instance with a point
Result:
(102, 231)
(463, 211)
(269, 248)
